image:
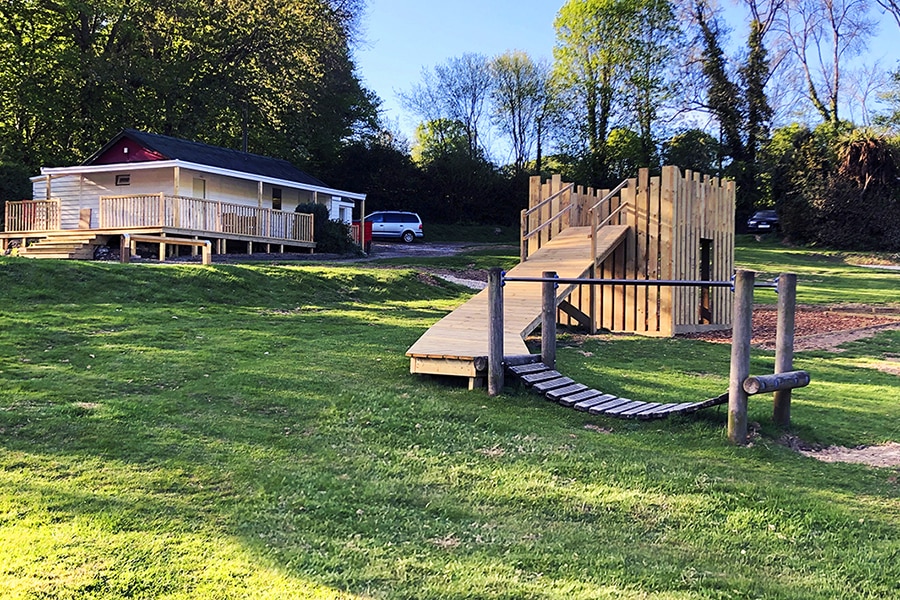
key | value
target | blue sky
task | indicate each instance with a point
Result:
(404, 36)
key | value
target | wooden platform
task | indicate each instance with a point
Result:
(458, 344)
(564, 391)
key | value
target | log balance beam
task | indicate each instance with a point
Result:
(129, 245)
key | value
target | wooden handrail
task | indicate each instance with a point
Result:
(161, 210)
(540, 205)
(611, 215)
(547, 223)
(612, 193)
(44, 215)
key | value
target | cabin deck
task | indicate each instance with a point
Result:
(458, 344)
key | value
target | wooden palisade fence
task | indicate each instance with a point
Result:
(679, 227)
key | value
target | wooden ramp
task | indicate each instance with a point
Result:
(457, 345)
(556, 388)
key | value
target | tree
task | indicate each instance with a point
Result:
(275, 76)
(823, 35)
(741, 109)
(693, 149)
(457, 91)
(612, 60)
(892, 7)
(649, 83)
(590, 50)
(520, 97)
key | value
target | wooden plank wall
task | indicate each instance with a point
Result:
(704, 211)
(668, 217)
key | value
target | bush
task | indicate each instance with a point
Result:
(834, 188)
(332, 237)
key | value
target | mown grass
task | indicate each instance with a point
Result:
(824, 276)
(253, 432)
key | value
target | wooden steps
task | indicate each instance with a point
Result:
(67, 245)
(564, 391)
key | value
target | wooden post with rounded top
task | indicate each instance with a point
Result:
(548, 320)
(740, 356)
(495, 332)
(784, 344)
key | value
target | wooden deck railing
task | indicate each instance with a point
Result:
(161, 210)
(32, 215)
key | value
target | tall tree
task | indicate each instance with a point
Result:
(612, 60)
(276, 74)
(650, 82)
(520, 100)
(590, 50)
(456, 90)
(823, 36)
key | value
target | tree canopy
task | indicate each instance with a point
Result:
(275, 77)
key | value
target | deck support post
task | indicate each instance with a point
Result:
(784, 344)
(495, 332)
(741, 333)
(548, 320)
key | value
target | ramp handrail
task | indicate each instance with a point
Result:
(528, 234)
(596, 223)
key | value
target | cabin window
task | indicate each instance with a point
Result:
(276, 198)
(123, 179)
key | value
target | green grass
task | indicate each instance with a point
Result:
(824, 276)
(254, 432)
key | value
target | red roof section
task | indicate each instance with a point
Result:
(126, 150)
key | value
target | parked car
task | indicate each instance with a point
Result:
(763, 221)
(406, 226)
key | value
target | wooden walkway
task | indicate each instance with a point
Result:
(457, 345)
(563, 390)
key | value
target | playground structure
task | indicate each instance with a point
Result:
(645, 229)
(653, 256)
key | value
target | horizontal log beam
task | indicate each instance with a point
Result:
(773, 383)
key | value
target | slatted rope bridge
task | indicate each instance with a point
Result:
(545, 379)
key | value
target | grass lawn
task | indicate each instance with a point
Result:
(252, 431)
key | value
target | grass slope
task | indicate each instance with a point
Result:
(253, 432)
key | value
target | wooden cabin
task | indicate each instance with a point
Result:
(149, 184)
(680, 227)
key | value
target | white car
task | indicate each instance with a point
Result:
(406, 226)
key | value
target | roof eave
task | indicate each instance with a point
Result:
(165, 164)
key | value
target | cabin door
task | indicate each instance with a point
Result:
(199, 188)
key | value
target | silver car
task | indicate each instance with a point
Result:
(406, 226)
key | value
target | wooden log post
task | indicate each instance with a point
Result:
(548, 320)
(495, 332)
(125, 250)
(784, 345)
(740, 356)
(779, 382)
